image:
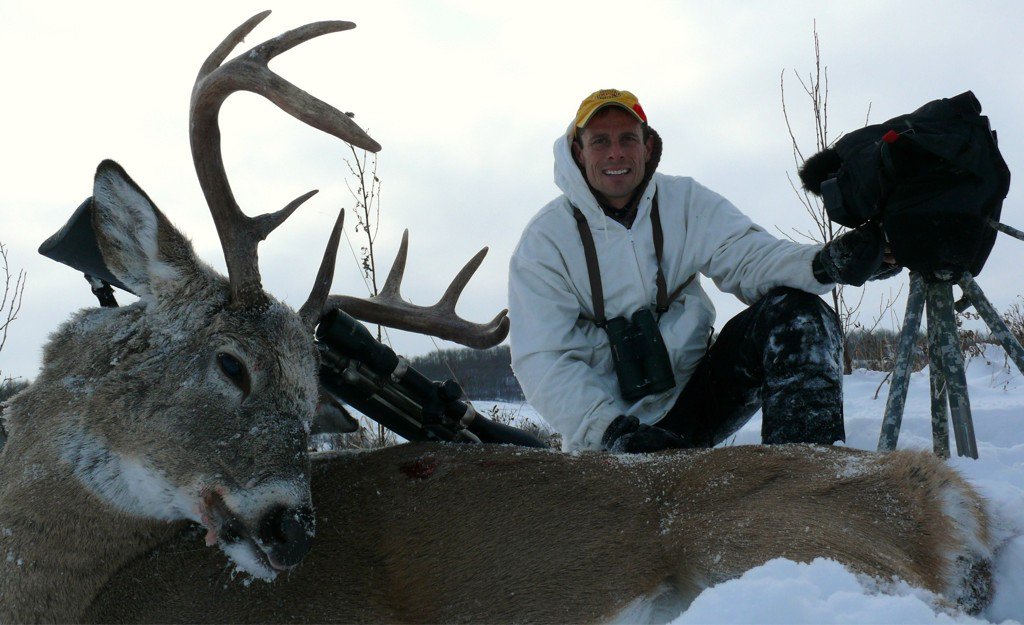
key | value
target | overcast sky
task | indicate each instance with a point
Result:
(466, 98)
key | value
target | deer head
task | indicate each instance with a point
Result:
(191, 403)
(204, 399)
(215, 377)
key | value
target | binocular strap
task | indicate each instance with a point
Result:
(664, 299)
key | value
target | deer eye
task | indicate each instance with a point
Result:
(234, 370)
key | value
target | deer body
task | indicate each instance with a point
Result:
(444, 533)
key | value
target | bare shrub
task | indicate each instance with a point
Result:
(824, 230)
(363, 168)
(10, 299)
(1014, 319)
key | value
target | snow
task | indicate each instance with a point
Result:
(823, 591)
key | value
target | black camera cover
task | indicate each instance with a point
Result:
(932, 178)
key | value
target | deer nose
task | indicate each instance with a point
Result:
(285, 534)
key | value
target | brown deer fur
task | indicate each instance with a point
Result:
(445, 533)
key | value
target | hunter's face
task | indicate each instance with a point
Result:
(613, 154)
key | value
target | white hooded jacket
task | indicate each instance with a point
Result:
(562, 360)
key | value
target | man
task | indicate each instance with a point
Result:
(651, 238)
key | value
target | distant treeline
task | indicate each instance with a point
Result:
(487, 374)
(483, 373)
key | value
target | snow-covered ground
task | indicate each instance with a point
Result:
(782, 591)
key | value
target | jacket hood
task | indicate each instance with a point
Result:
(572, 182)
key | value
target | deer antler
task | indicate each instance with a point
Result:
(440, 320)
(240, 234)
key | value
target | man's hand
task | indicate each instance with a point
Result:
(855, 257)
(627, 435)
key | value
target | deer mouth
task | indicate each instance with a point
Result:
(278, 542)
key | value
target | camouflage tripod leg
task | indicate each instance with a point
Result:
(947, 376)
(901, 369)
(941, 314)
(939, 401)
(948, 379)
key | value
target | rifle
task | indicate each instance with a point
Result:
(355, 368)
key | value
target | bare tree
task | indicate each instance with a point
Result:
(824, 230)
(10, 305)
(366, 193)
(363, 168)
(10, 301)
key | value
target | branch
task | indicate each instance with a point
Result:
(10, 305)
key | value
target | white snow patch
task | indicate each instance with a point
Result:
(783, 591)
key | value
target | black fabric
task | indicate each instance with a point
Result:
(783, 355)
(933, 178)
(75, 245)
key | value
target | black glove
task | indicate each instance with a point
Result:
(854, 257)
(627, 435)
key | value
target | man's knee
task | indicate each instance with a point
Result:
(786, 301)
(794, 313)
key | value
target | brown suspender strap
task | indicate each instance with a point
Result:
(593, 269)
(679, 289)
(661, 304)
(663, 301)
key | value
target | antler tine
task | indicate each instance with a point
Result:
(234, 38)
(265, 224)
(253, 74)
(239, 233)
(424, 320)
(389, 309)
(393, 284)
(311, 310)
(451, 295)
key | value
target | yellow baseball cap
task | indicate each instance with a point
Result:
(609, 97)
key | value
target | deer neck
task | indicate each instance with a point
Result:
(59, 540)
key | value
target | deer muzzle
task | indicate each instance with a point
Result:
(285, 534)
(278, 538)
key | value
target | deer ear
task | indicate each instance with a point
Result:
(140, 247)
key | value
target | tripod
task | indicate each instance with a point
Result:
(947, 376)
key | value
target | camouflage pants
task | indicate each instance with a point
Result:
(784, 355)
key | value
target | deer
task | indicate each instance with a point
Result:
(159, 430)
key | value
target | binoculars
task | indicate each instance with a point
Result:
(640, 356)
